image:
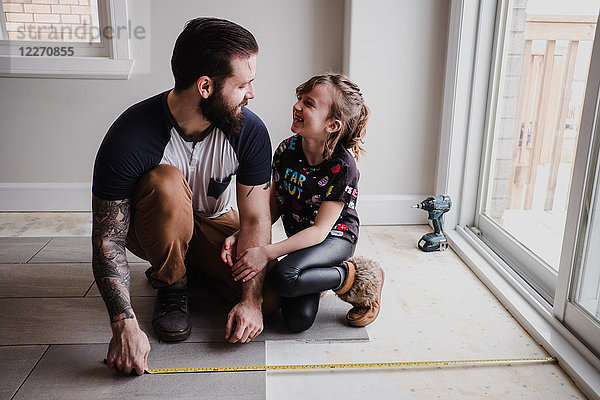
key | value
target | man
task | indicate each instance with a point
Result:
(162, 189)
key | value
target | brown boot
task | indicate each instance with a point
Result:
(362, 288)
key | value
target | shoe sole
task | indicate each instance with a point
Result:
(364, 320)
(169, 336)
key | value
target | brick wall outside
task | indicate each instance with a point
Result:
(49, 20)
(507, 110)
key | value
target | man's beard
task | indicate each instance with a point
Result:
(223, 116)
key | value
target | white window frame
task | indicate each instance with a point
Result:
(2, 22)
(469, 88)
(585, 181)
(115, 64)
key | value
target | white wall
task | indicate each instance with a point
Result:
(50, 129)
(397, 53)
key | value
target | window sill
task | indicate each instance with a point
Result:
(535, 316)
(65, 67)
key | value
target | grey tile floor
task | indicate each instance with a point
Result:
(88, 379)
(54, 333)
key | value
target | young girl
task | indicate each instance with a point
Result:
(314, 190)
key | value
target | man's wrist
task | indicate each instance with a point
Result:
(252, 293)
(252, 302)
(125, 324)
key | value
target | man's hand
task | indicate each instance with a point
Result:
(229, 249)
(247, 321)
(250, 263)
(129, 347)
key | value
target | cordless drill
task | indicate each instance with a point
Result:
(436, 206)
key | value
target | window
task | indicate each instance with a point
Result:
(51, 21)
(519, 154)
(65, 38)
(543, 71)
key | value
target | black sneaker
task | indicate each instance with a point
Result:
(171, 320)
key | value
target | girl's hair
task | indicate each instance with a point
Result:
(348, 106)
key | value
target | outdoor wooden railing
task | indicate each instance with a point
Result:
(543, 103)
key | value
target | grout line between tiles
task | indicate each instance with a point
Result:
(90, 288)
(43, 247)
(30, 372)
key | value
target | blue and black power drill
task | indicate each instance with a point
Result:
(436, 206)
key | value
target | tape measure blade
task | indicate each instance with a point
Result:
(400, 364)
(247, 368)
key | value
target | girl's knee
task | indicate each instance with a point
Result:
(282, 279)
(299, 313)
(299, 321)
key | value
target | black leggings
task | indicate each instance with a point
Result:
(301, 276)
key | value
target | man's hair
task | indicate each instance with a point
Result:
(206, 47)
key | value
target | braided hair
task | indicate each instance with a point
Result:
(348, 107)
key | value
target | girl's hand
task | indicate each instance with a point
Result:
(250, 263)
(229, 249)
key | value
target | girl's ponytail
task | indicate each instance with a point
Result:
(355, 138)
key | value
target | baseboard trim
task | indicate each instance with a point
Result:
(50, 196)
(377, 209)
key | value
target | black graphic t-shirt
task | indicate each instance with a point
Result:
(301, 188)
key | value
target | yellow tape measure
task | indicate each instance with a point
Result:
(403, 364)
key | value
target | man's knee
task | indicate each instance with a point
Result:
(164, 181)
(164, 192)
(163, 206)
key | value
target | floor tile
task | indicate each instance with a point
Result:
(62, 320)
(20, 250)
(45, 280)
(17, 362)
(75, 372)
(63, 280)
(71, 249)
(84, 320)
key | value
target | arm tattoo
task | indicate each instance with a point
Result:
(250, 191)
(111, 271)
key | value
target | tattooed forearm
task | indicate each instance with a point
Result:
(111, 271)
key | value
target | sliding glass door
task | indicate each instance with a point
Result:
(539, 192)
(543, 55)
(578, 292)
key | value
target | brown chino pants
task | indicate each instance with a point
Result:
(166, 231)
